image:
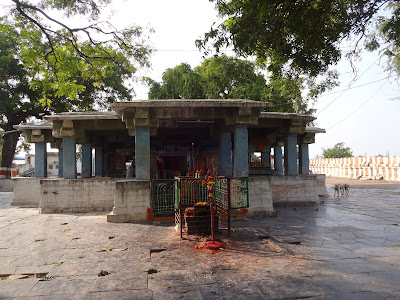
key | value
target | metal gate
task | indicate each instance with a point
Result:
(239, 192)
(169, 194)
(163, 197)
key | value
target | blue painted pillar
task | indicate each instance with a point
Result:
(291, 154)
(278, 160)
(60, 162)
(98, 161)
(266, 157)
(240, 151)
(86, 160)
(304, 162)
(69, 157)
(142, 153)
(225, 154)
(40, 160)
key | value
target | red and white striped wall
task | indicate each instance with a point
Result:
(383, 168)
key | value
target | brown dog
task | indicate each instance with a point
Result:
(338, 189)
(346, 188)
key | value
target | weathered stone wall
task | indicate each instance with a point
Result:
(26, 191)
(266, 192)
(375, 168)
(294, 190)
(320, 186)
(6, 185)
(260, 196)
(76, 195)
(131, 202)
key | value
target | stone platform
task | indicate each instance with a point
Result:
(346, 248)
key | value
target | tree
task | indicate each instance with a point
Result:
(216, 78)
(25, 93)
(14, 91)
(224, 77)
(47, 46)
(294, 39)
(1, 144)
(337, 151)
(387, 37)
(180, 82)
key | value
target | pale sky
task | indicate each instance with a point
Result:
(365, 118)
(369, 118)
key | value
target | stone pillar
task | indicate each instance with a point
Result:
(291, 154)
(278, 160)
(60, 162)
(266, 157)
(86, 160)
(69, 157)
(240, 151)
(142, 153)
(98, 161)
(40, 160)
(225, 154)
(304, 161)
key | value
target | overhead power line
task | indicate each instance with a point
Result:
(359, 107)
(354, 87)
(353, 81)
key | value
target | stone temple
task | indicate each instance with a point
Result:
(140, 145)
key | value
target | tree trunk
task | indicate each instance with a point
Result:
(9, 145)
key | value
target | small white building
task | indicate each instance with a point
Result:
(27, 168)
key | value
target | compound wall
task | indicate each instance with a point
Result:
(375, 168)
(76, 195)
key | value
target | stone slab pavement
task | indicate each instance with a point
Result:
(346, 248)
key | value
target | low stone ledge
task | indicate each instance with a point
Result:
(260, 197)
(73, 210)
(26, 192)
(132, 202)
(76, 195)
(295, 203)
(128, 218)
(320, 185)
(6, 185)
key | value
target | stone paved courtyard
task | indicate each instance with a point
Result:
(346, 248)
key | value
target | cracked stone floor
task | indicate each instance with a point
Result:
(345, 248)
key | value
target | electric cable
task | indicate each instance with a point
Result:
(359, 107)
(348, 88)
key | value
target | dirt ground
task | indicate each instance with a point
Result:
(371, 184)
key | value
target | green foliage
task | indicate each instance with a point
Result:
(387, 36)
(72, 7)
(44, 70)
(337, 151)
(180, 82)
(290, 38)
(18, 101)
(62, 63)
(216, 78)
(224, 77)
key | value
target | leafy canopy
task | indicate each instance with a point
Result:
(224, 77)
(387, 36)
(337, 151)
(53, 52)
(291, 38)
(220, 77)
(180, 82)
(47, 66)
